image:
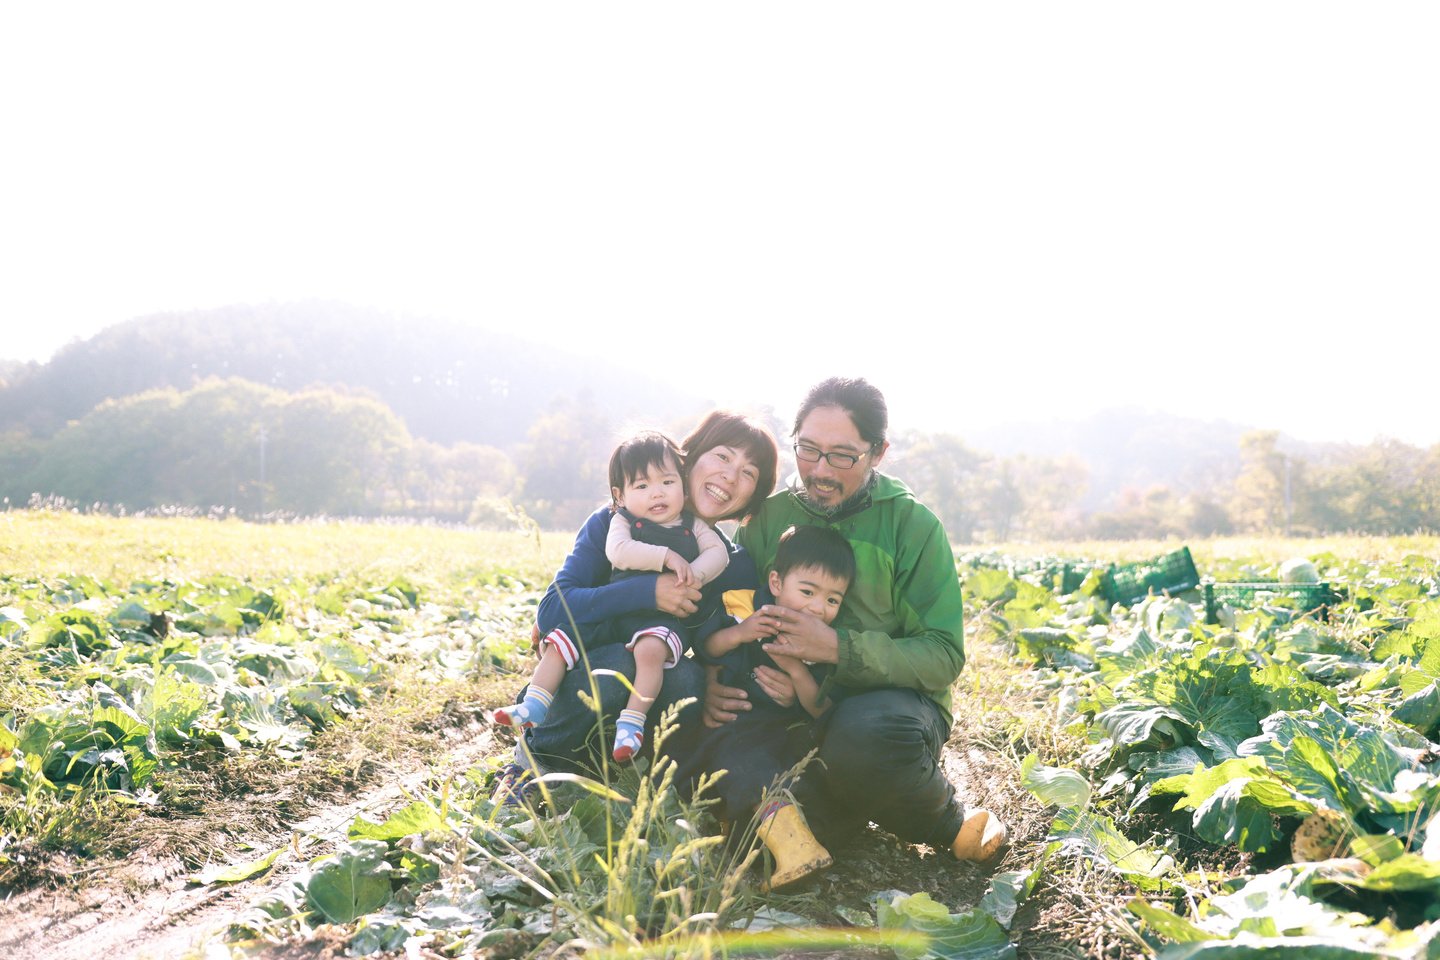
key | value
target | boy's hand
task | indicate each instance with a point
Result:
(777, 685)
(757, 626)
(786, 663)
(680, 566)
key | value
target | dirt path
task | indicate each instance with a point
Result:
(147, 908)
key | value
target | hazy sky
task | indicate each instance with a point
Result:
(999, 211)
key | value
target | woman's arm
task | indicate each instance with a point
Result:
(582, 590)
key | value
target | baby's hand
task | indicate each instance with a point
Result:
(680, 567)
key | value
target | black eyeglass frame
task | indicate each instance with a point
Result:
(847, 460)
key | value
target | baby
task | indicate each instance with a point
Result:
(651, 531)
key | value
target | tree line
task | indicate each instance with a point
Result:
(1383, 488)
(234, 445)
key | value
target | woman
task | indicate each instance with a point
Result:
(731, 465)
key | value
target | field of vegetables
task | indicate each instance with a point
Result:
(222, 740)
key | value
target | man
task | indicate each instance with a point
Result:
(897, 646)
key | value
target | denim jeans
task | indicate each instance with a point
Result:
(880, 760)
(570, 740)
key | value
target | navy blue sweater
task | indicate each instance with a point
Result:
(584, 580)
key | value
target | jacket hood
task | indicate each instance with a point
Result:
(882, 487)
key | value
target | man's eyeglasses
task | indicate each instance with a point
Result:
(840, 461)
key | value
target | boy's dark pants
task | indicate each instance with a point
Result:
(754, 750)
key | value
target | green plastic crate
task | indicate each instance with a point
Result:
(1132, 582)
(1072, 577)
(1303, 598)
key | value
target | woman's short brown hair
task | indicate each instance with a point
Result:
(724, 428)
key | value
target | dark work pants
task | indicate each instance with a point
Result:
(880, 761)
(754, 749)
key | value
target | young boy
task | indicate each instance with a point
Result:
(813, 569)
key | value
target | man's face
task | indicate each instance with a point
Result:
(829, 430)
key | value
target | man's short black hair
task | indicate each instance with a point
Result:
(858, 397)
(635, 457)
(819, 547)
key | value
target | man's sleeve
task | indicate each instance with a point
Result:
(927, 650)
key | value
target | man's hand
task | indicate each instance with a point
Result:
(803, 636)
(722, 703)
(674, 597)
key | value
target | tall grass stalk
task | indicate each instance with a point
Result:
(639, 869)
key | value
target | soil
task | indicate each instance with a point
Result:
(145, 906)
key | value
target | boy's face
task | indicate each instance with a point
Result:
(656, 495)
(809, 590)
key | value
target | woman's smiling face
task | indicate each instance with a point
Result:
(722, 482)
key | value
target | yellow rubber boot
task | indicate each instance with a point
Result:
(981, 838)
(796, 851)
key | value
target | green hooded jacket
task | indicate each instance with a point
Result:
(902, 624)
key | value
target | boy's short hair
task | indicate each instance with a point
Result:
(634, 457)
(820, 547)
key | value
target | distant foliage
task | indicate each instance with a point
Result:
(323, 408)
(225, 442)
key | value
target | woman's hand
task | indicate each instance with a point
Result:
(777, 684)
(674, 597)
(722, 703)
(803, 636)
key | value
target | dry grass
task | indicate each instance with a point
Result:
(1002, 716)
(47, 543)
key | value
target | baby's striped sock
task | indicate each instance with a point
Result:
(629, 734)
(528, 712)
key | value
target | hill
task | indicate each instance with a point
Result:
(448, 382)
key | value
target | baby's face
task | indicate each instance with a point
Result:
(658, 495)
(810, 590)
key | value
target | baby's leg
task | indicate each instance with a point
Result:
(653, 650)
(541, 692)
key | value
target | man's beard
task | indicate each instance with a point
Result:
(830, 513)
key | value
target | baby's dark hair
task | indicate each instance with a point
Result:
(819, 547)
(634, 458)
